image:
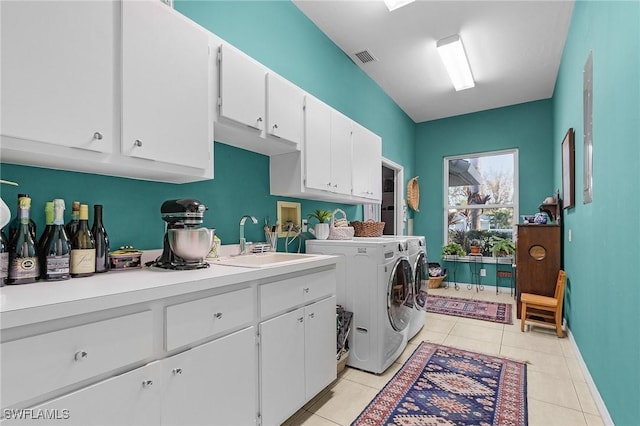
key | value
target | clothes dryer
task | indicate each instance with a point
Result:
(420, 266)
(375, 281)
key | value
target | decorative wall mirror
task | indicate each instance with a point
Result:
(568, 170)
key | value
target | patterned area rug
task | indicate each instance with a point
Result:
(444, 386)
(469, 308)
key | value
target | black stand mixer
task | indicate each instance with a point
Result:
(186, 213)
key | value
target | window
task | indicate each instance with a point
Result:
(481, 198)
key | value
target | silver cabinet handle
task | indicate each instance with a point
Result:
(275, 126)
(301, 319)
(306, 290)
(176, 371)
(147, 383)
(259, 120)
(80, 355)
(217, 315)
(312, 315)
(97, 136)
(137, 142)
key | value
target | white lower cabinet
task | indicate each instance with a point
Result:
(131, 398)
(212, 384)
(297, 358)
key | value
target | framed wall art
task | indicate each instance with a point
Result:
(568, 169)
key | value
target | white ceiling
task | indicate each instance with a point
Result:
(514, 49)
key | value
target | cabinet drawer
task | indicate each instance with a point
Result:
(191, 321)
(39, 364)
(282, 295)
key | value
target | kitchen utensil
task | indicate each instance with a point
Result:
(192, 245)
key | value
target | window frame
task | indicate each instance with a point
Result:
(516, 189)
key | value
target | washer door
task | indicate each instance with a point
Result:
(399, 294)
(421, 282)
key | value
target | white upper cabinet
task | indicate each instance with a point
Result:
(284, 109)
(58, 73)
(76, 98)
(242, 88)
(317, 144)
(165, 86)
(257, 109)
(340, 153)
(327, 148)
(367, 163)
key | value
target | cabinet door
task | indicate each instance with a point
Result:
(367, 163)
(317, 144)
(58, 73)
(132, 398)
(284, 109)
(320, 345)
(340, 153)
(242, 88)
(282, 366)
(537, 260)
(213, 384)
(165, 86)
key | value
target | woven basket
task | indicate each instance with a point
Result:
(413, 194)
(434, 282)
(370, 228)
(340, 232)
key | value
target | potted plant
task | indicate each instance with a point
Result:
(321, 230)
(501, 246)
(321, 216)
(453, 249)
(476, 246)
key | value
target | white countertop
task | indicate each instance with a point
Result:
(46, 300)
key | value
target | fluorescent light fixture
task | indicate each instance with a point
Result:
(396, 4)
(455, 61)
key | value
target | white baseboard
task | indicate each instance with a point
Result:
(602, 408)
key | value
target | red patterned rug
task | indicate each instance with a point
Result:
(442, 386)
(469, 308)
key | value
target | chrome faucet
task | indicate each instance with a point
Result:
(243, 241)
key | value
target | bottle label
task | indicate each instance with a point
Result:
(24, 267)
(4, 265)
(83, 261)
(57, 266)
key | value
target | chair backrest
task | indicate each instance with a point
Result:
(560, 284)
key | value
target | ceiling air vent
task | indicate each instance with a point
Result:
(365, 56)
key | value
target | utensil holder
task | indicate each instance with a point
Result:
(272, 240)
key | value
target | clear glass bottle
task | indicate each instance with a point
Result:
(83, 250)
(24, 265)
(101, 240)
(56, 250)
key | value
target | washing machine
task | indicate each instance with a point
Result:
(417, 248)
(375, 281)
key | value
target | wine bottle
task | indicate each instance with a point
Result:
(83, 251)
(101, 240)
(48, 220)
(24, 265)
(72, 226)
(15, 223)
(56, 250)
(4, 258)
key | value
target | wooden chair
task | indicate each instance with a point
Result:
(544, 309)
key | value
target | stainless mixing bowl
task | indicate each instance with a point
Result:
(192, 245)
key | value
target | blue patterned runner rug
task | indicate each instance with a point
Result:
(470, 308)
(440, 385)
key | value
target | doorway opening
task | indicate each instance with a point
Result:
(388, 206)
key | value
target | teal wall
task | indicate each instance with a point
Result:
(527, 127)
(603, 257)
(263, 30)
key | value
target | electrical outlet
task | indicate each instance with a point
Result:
(483, 272)
(305, 225)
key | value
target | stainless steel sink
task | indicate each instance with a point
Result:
(262, 260)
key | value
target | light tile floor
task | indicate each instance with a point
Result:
(557, 393)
